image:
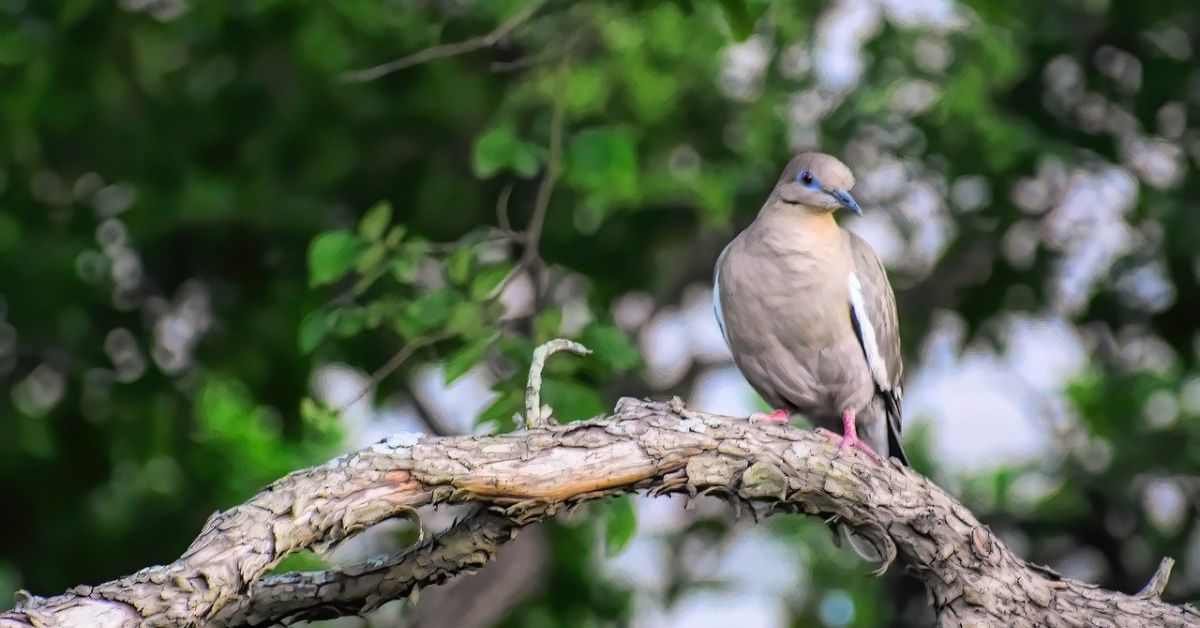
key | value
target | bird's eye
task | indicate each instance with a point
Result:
(806, 177)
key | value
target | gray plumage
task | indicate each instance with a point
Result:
(807, 310)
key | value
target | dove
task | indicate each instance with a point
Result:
(809, 315)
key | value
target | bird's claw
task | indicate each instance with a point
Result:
(850, 439)
(852, 442)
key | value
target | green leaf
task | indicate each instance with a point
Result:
(371, 258)
(428, 312)
(547, 324)
(375, 222)
(604, 161)
(525, 160)
(407, 264)
(501, 410)
(313, 329)
(303, 560)
(488, 279)
(331, 255)
(468, 356)
(518, 349)
(466, 319)
(395, 235)
(653, 93)
(587, 89)
(493, 151)
(500, 148)
(381, 310)
(349, 321)
(323, 44)
(620, 524)
(458, 265)
(571, 400)
(742, 15)
(612, 347)
(71, 11)
(403, 269)
(315, 413)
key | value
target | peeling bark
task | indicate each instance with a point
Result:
(973, 579)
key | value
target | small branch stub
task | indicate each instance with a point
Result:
(1158, 583)
(536, 416)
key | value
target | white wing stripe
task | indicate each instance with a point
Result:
(717, 305)
(867, 334)
(717, 296)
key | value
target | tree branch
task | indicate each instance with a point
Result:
(973, 579)
(530, 259)
(442, 51)
(469, 544)
(395, 362)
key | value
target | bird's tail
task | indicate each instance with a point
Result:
(895, 448)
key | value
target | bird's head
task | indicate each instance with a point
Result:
(818, 183)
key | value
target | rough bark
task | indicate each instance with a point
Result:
(972, 577)
(518, 572)
(359, 589)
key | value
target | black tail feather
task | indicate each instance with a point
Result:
(895, 449)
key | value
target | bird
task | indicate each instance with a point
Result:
(809, 315)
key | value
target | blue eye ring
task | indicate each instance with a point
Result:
(805, 177)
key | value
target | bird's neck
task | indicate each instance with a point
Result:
(796, 227)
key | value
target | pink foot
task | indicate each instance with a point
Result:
(850, 438)
(774, 416)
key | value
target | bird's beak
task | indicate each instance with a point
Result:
(845, 200)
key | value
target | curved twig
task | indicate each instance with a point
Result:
(537, 416)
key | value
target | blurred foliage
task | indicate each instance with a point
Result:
(197, 210)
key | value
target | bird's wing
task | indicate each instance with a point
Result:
(717, 294)
(873, 312)
(873, 306)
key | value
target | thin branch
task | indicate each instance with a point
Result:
(360, 286)
(427, 416)
(443, 51)
(499, 235)
(542, 56)
(396, 361)
(502, 209)
(530, 256)
(470, 543)
(533, 233)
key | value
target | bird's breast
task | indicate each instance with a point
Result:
(786, 317)
(789, 295)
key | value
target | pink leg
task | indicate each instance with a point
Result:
(850, 437)
(774, 416)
